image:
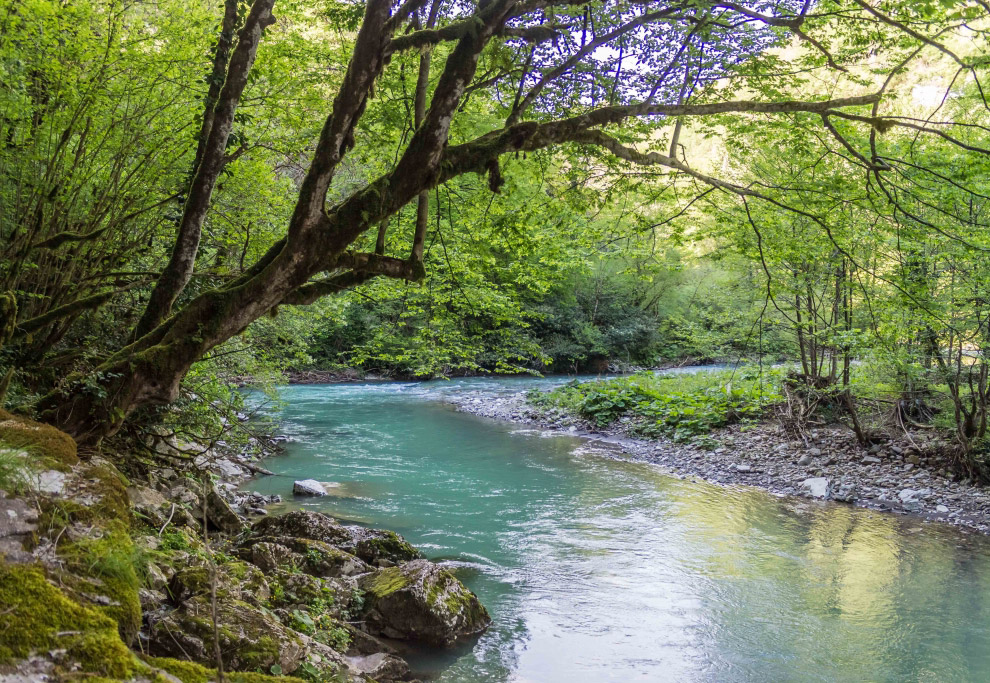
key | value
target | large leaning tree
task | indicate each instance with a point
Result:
(628, 79)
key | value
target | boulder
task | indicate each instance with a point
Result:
(303, 524)
(235, 581)
(419, 601)
(374, 546)
(380, 547)
(380, 666)
(268, 556)
(251, 639)
(308, 487)
(221, 515)
(816, 487)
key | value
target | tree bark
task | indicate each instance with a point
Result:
(210, 155)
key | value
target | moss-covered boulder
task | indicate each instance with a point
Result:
(50, 446)
(422, 602)
(38, 617)
(235, 581)
(302, 554)
(373, 546)
(380, 547)
(268, 556)
(101, 569)
(303, 524)
(250, 638)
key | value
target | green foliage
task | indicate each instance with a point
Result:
(681, 407)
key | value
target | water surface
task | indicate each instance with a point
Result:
(597, 569)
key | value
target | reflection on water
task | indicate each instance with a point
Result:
(603, 570)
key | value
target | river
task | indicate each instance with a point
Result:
(603, 569)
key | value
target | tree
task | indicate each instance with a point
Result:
(623, 79)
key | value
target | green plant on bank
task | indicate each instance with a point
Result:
(681, 407)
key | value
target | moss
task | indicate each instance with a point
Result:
(111, 566)
(385, 544)
(55, 448)
(385, 582)
(40, 617)
(190, 672)
(261, 654)
(109, 487)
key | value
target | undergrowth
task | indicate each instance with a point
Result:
(681, 407)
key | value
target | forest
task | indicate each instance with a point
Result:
(201, 200)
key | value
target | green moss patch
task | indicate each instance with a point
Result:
(385, 582)
(39, 617)
(53, 447)
(109, 566)
(190, 672)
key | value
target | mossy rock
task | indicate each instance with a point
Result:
(105, 571)
(378, 546)
(108, 489)
(53, 447)
(375, 546)
(422, 602)
(250, 637)
(190, 672)
(310, 556)
(38, 617)
(303, 524)
(235, 581)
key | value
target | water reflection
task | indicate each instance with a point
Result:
(604, 570)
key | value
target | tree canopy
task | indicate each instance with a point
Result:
(175, 171)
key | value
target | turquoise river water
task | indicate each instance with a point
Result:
(603, 569)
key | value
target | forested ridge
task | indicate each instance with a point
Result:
(194, 193)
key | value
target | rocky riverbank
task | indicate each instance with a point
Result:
(160, 577)
(900, 476)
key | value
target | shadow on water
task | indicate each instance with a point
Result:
(602, 570)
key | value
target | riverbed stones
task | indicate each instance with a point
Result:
(910, 499)
(308, 487)
(816, 487)
(421, 602)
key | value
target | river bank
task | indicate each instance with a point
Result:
(896, 476)
(160, 576)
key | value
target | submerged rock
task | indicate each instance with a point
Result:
(308, 487)
(421, 602)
